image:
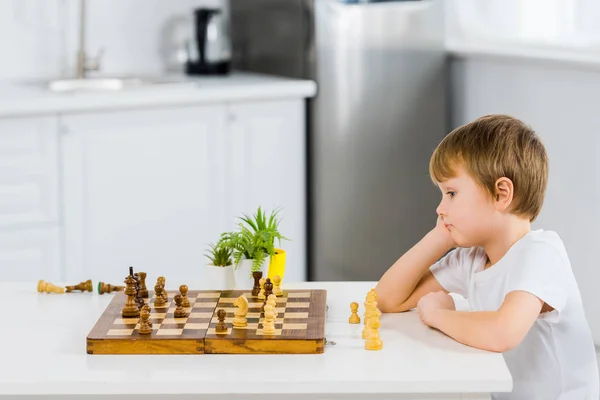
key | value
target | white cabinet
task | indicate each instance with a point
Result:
(143, 188)
(267, 143)
(151, 188)
(29, 223)
(28, 171)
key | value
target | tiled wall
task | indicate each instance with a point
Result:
(39, 38)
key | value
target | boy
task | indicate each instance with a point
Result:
(523, 298)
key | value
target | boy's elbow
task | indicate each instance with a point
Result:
(504, 339)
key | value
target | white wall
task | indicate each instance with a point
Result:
(39, 38)
(561, 104)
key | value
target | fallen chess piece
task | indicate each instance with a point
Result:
(82, 287)
(108, 288)
(47, 287)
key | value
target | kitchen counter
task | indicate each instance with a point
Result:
(43, 348)
(18, 99)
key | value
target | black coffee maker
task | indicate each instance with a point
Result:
(209, 51)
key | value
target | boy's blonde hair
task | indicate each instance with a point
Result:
(492, 147)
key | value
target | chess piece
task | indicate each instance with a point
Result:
(185, 302)
(143, 288)
(131, 309)
(48, 287)
(221, 327)
(139, 300)
(240, 321)
(179, 311)
(159, 299)
(269, 321)
(371, 313)
(268, 290)
(147, 308)
(272, 300)
(163, 282)
(370, 303)
(374, 340)
(82, 287)
(257, 275)
(277, 286)
(354, 318)
(261, 294)
(145, 327)
(107, 288)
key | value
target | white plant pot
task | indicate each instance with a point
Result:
(243, 273)
(219, 278)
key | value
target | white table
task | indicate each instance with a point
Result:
(43, 353)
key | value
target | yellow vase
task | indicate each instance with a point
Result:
(277, 264)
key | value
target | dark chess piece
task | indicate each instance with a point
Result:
(147, 308)
(159, 300)
(268, 291)
(82, 287)
(131, 309)
(107, 288)
(221, 327)
(145, 327)
(143, 289)
(179, 311)
(162, 281)
(185, 302)
(139, 300)
(257, 275)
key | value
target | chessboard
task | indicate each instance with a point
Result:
(299, 326)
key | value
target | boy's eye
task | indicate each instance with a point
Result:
(452, 194)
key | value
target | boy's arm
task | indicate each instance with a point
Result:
(405, 282)
(497, 331)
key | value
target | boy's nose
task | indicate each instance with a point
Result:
(441, 210)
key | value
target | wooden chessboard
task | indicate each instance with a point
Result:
(300, 326)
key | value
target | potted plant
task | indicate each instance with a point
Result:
(219, 270)
(253, 245)
(269, 229)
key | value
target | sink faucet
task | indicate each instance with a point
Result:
(84, 63)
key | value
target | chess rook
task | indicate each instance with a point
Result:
(143, 289)
(256, 275)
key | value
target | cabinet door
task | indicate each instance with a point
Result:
(143, 189)
(268, 153)
(30, 254)
(28, 172)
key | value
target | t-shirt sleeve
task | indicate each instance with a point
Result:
(541, 272)
(449, 272)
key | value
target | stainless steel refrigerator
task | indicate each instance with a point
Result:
(380, 111)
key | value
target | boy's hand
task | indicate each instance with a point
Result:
(444, 233)
(432, 302)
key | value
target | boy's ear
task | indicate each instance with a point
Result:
(504, 192)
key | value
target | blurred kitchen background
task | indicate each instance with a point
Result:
(133, 132)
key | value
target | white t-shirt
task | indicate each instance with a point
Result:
(556, 359)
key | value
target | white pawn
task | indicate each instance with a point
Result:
(277, 286)
(272, 301)
(269, 321)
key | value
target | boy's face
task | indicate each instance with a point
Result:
(466, 209)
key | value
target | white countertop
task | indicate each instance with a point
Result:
(568, 56)
(43, 351)
(17, 98)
